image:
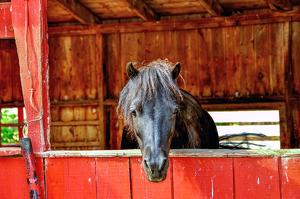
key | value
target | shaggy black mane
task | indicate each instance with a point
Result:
(153, 78)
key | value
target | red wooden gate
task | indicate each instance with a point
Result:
(191, 174)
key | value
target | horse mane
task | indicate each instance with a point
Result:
(153, 78)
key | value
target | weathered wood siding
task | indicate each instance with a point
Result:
(73, 79)
(258, 62)
(242, 61)
(245, 63)
(10, 83)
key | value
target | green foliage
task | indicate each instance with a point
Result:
(9, 135)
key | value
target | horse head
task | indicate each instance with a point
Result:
(153, 99)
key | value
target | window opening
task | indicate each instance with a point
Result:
(12, 122)
(259, 129)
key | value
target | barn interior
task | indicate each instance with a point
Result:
(235, 55)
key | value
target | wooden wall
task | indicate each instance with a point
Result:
(10, 84)
(74, 89)
(255, 61)
(235, 64)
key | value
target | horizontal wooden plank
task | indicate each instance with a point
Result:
(280, 5)
(254, 138)
(176, 153)
(78, 11)
(13, 124)
(75, 103)
(209, 104)
(75, 123)
(212, 7)
(12, 105)
(141, 9)
(73, 144)
(177, 25)
(10, 151)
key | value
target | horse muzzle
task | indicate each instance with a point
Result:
(156, 166)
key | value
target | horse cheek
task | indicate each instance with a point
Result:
(171, 134)
(137, 131)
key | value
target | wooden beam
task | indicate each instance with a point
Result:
(75, 144)
(279, 4)
(142, 10)
(10, 151)
(101, 91)
(32, 46)
(6, 27)
(176, 153)
(76, 123)
(79, 12)
(215, 22)
(212, 7)
(289, 140)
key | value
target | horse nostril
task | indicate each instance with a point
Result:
(147, 166)
(163, 165)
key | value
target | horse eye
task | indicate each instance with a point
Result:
(139, 135)
(133, 113)
(175, 112)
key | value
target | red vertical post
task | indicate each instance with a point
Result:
(20, 120)
(32, 46)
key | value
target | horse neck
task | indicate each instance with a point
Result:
(187, 123)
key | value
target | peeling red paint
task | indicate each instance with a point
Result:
(6, 28)
(34, 77)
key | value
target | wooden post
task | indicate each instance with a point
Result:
(32, 46)
(290, 141)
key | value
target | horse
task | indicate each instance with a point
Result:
(158, 116)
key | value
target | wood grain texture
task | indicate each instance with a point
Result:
(273, 174)
(247, 78)
(13, 180)
(113, 178)
(6, 71)
(222, 64)
(203, 177)
(290, 177)
(256, 178)
(295, 56)
(191, 67)
(78, 11)
(142, 188)
(212, 7)
(6, 27)
(142, 10)
(218, 62)
(206, 70)
(65, 181)
(276, 58)
(262, 78)
(33, 59)
(233, 62)
(16, 80)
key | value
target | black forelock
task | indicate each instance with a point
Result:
(153, 79)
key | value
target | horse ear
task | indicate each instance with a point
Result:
(131, 71)
(175, 70)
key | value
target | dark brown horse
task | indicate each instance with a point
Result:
(159, 116)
